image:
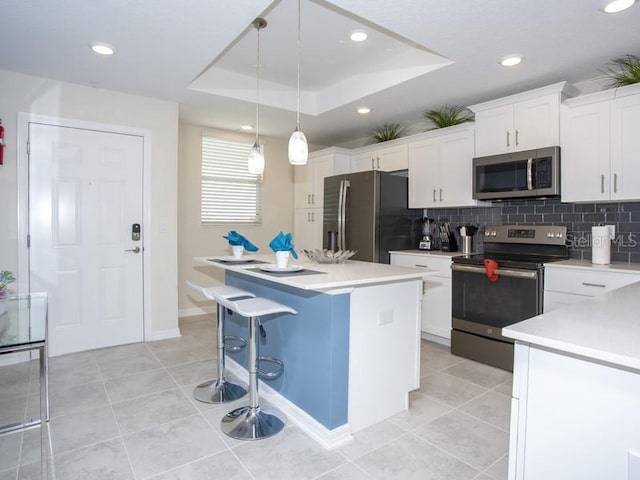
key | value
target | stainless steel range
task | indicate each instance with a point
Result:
(501, 287)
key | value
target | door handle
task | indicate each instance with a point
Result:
(615, 183)
(601, 183)
(135, 249)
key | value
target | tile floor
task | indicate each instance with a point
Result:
(127, 413)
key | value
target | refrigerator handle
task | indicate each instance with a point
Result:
(342, 215)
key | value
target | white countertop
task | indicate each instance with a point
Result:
(343, 275)
(435, 253)
(618, 267)
(605, 328)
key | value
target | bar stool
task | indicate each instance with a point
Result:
(253, 422)
(220, 390)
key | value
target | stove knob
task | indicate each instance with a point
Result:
(550, 235)
(487, 233)
(494, 233)
(559, 235)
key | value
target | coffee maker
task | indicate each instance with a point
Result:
(429, 237)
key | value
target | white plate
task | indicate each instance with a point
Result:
(276, 268)
(232, 259)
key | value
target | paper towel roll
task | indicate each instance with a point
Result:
(601, 245)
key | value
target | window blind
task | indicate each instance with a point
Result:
(229, 193)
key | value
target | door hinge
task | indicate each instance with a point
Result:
(28, 241)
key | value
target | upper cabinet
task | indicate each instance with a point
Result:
(386, 158)
(524, 121)
(440, 173)
(601, 146)
(308, 183)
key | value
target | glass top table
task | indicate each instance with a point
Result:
(23, 328)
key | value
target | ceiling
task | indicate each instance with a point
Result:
(420, 54)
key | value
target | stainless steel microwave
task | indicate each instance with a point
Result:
(531, 173)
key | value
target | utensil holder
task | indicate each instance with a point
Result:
(449, 243)
(467, 244)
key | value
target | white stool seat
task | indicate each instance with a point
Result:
(219, 291)
(256, 307)
(221, 390)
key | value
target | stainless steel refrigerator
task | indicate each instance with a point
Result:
(367, 212)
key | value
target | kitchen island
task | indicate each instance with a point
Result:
(576, 390)
(352, 353)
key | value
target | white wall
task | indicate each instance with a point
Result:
(23, 93)
(196, 240)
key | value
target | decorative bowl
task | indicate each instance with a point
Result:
(328, 256)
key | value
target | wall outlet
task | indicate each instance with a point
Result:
(385, 317)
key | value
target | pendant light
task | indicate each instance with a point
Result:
(256, 156)
(298, 148)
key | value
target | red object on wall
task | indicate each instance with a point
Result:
(490, 267)
(1, 142)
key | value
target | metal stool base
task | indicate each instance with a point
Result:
(219, 391)
(246, 423)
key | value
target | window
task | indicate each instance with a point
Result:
(229, 193)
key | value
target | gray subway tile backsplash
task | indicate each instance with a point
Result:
(577, 217)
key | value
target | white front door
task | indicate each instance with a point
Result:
(85, 195)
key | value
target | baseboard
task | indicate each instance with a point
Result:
(436, 339)
(192, 312)
(164, 334)
(329, 439)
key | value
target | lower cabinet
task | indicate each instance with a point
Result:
(565, 285)
(572, 418)
(436, 300)
(307, 225)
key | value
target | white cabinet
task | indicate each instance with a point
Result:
(573, 418)
(524, 121)
(308, 183)
(308, 196)
(601, 146)
(386, 159)
(436, 300)
(440, 171)
(565, 285)
(307, 227)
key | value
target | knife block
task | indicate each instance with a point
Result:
(449, 243)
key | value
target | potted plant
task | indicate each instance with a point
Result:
(623, 71)
(386, 132)
(448, 115)
(6, 278)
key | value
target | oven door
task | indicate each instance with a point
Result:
(483, 307)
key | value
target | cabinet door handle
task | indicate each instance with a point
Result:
(313, 217)
(599, 285)
(419, 265)
(308, 217)
(517, 138)
(440, 194)
(308, 199)
(601, 183)
(373, 166)
(434, 195)
(508, 145)
(313, 198)
(615, 183)
(378, 162)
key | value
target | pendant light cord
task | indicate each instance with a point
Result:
(258, 84)
(298, 101)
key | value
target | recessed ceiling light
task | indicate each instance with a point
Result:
(247, 127)
(617, 6)
(363, 110)
(358, 36)
(102, 48)
(510, 60)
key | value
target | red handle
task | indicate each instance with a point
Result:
(490, 267)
